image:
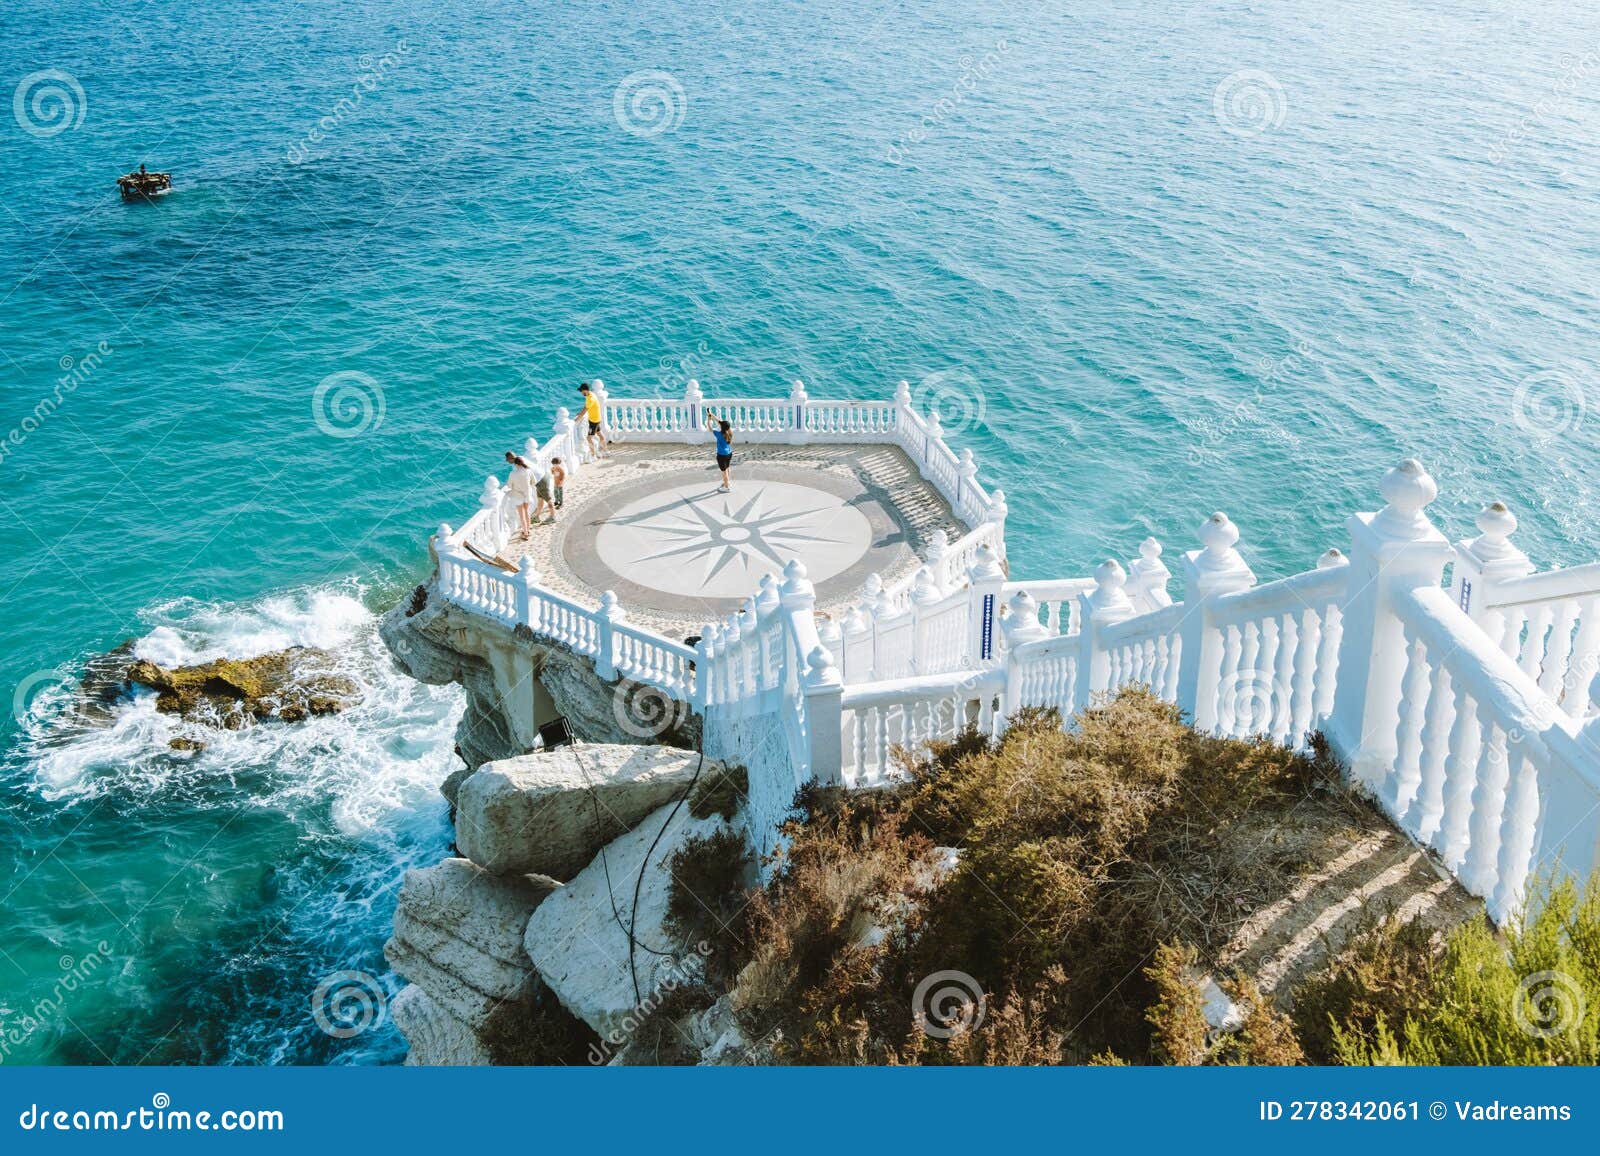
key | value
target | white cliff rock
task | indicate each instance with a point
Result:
(435, 1036)
(581, 949)
(458, 939)
(551, 812)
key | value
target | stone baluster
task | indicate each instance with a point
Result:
(1105, 606)
(1018, 627)
(966, 483)
(985, 580)
(564, 429)
(1393, 552)
(494, 520)
(526, 583)
(797, 412)
(694, 410)
(997, 515)
(819, 682)
(856, 649)
(704, 694)
(938, 552)
(439, 545)
(924, 596)
(610, 613)
(1210, 572)
(1148, 577)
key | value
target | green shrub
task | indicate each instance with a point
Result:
(1528, 996)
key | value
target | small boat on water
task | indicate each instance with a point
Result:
(143, 185)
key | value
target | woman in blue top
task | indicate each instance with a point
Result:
(723, 432)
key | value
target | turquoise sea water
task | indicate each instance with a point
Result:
(1149, 260)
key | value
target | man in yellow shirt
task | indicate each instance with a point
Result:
(591, 413)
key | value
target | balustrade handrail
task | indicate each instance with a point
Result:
(1545, 586)
(1493, 679)
(1142, 627)
(1303, 591)
(895, 691)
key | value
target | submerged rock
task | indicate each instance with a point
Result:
(289, 685)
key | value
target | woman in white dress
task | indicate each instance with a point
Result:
(520, 486)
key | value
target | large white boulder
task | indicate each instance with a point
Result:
(550, 812)
(578, 942)
(435, 1036)
(458, 936)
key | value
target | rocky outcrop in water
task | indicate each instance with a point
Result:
(288, 685)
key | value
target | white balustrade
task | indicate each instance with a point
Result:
(1469, 715)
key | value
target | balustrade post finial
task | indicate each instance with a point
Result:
(1148, 575)
(1217, 568)
(902, 393)
(1331, 557)
(1021, 622)
(985, 566)
(925, 587)
(1110, 602)
(610, 607)
(797, 592)
(820, 668)
(797, 391)
(985, 582)
(1393, 552)
(938, 548)
(530, 450)
(1407, 488)
(766, 598)
(935, 426)
(1482, 563)
(490, 498)
(692, 394)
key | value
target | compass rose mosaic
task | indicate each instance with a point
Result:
(692, 540)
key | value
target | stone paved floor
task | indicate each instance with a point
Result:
(648, 523)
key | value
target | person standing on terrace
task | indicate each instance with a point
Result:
(520, 487)
(722, 431)
(591, 412)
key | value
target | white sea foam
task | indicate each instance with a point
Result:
(366, 766)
